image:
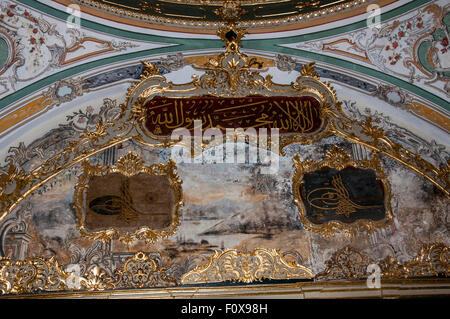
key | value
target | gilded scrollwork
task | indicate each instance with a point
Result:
(350, 263)
(128, 166)
(38, 274)
(246, 267)
(31, 275)
(142, 271)
(336, 196)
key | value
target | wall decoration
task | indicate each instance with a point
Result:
(288, 114)
(128, 201)
(350, 263)
(246, 267)
(413, 47)
(341, 195)
(40, 45)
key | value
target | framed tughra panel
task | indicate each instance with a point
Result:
(339, 194)
(128, 201)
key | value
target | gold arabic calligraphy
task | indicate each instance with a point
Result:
(289, 114)
(335, 198)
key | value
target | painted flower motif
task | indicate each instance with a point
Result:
(387, 47)
(444, 42)
(81, 120)
(9, 14)
(395, 44)
(408, 26)
(420, 25)
(401, 33)
(32, 40)
(89, 109)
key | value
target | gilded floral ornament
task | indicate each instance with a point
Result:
(246, 267)
(142, 271)
(32, 275)
(350, 263)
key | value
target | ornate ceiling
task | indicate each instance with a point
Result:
(68, 93)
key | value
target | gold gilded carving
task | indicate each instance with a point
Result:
(37, 274)
(96, 279)
(336, 198)
(129, 215)
(246, 267)
(350, 263)
(32, 275)
(141, 271)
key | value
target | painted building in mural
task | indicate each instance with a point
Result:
(272, 147)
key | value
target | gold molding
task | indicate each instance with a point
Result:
(128, 165)
(338, 159)
(231, 265)
(348, 266)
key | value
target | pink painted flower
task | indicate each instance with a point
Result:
(89, 109)
(32, 40)
(395, 44)
(81, 120)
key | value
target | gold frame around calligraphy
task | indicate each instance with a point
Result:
(231, 74)
(128, 165)
(338, 159)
